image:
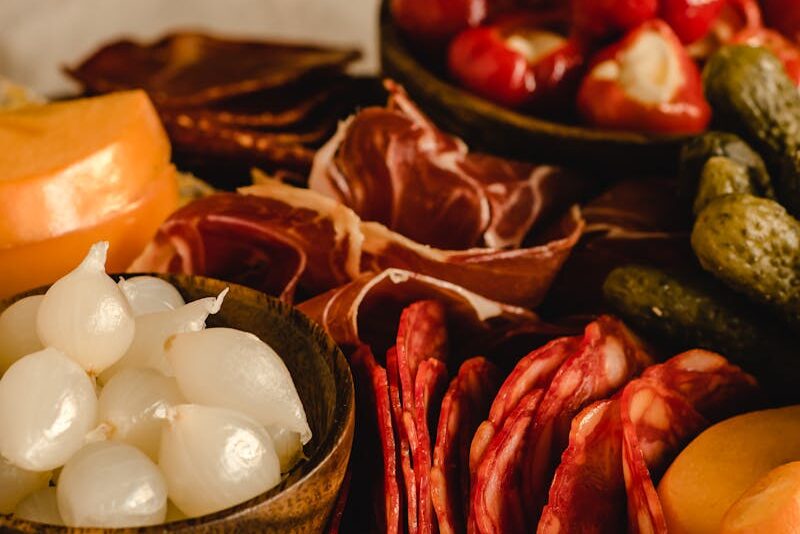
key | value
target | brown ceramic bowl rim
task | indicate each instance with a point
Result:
(393, 46)
(344, 411)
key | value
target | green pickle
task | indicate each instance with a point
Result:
(720, 176)
(753, 245)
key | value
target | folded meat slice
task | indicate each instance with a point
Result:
(361, 310)
(403, 423)
(465, 404)
(394, 167)
(534, 371)
(421, 335)
(587, 495)
(374, 393)
(661, 412)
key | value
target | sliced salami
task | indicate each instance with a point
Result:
(403, 424)
(587, 495)
(430, 385)
(534, 371)
(374, 393)
(465, 404)
(496, 506)
(609, 356)
(421, 334)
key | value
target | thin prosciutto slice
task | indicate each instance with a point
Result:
(464, 405)
(394, 167)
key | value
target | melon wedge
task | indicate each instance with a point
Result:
(75, 172)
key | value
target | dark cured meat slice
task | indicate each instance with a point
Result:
(374, 387)
(362, 309)
(587, 495)
(464, 405)
(394, 167)
(431, 382)
(499, 475)
(271, 245)
(534, 371)
(421, 334)
(609, 356)
(661, 412)
(404, 425)
(187, 69)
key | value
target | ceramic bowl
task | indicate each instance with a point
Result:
(304, 499)
(486, 126)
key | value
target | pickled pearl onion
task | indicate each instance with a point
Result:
(148, 294)
(18, 336)
(40, 506)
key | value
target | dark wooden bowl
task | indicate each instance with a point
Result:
(303, 501)
(488, 127)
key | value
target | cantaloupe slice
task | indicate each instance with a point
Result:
(770, 505)
(75, 172)
(715, 469)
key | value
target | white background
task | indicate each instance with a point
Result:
(38, 37)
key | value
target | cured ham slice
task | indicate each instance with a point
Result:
(394, 167)
(499, 477)
(661, 412)
(534, 371)
(587, 495)
(374, 394)
(464, 405)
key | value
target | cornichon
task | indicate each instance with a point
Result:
(751, 95)
(720, 176)
(753, 246)
(697, 152)
(686, 312)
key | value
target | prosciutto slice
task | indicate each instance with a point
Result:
(394, 167)
(374, 393)
(534, 371)
(464, 405)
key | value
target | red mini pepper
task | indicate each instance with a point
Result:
(736, 17)
(784, 15)
(646, 82)
(691, 20)
(518, 61)
(436, 21)
(600, 19)
(783, 48)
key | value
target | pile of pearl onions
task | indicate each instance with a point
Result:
(153, 329)
(148, 294)
(234, 369)
(40, 506)
(111, 484)
(86, 316)
(47, 406)
(134, 404)
(18, 335)
(214, 458)
(16, 483)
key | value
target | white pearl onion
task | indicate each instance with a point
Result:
(287, 445)
(236, 370)
(47, 405)
(18, 335)
(148, 294)
(111, 484)
(16, 483)
(135, 404)
(153, 330)
(214, 458)
(86, 316)
(40, 506)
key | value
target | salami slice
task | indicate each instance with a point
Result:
(609, 356)
(464, 405)
(403, 423)
(421, 334)
(374, 392)
(587, 495)
(335, 520)
(534, 371)
(662, 411)
(496, 506)
(431, 382)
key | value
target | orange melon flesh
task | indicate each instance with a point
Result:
(715, 469)
(770, 505)
(76, 164)
(76, 172)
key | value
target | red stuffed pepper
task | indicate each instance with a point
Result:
(784, 49)
(438, 20)
(601, 19)
(647, 83)
(785, 16)
(519, 61)
(691, 20)
(736, 17)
